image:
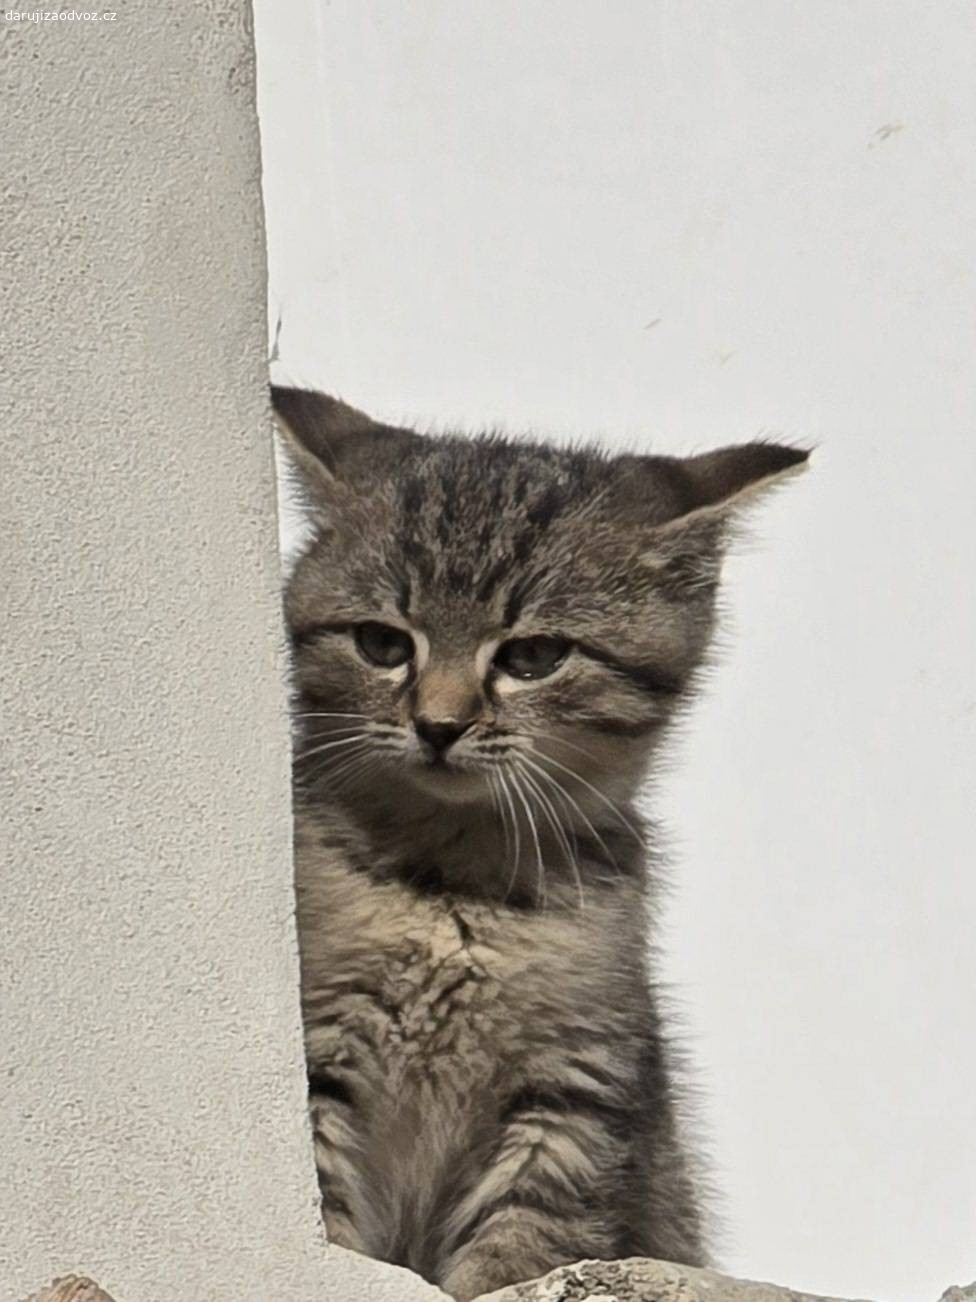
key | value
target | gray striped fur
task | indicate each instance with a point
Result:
(491, 1088)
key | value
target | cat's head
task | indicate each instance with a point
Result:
(476, 613)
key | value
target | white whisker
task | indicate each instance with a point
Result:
(357, 768)
(562, 741)
(516, 784)
(333, 764)
(302, 756)
(517, 852)
(574, 806)
(596, 792)
(326, 714)
(499, 809)
(554, 822)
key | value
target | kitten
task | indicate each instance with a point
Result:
(490, 638)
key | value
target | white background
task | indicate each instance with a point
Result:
(684, 223)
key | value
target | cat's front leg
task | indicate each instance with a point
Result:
(551, 1195)
(336, 1140)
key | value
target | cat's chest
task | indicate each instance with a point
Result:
(443, 993)
(428, 983)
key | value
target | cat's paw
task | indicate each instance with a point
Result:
(478, 1273)
(465, 1282)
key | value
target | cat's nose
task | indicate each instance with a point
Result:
(440, 734)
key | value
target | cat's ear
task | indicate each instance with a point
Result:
(330, 443)
(728, 478)
(708, 495)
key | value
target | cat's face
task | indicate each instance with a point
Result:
(479, 619)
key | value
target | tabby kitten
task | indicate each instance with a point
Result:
(490, 638)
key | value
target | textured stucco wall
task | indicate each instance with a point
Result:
(151, 1096)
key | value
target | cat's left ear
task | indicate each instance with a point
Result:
(727, 479)
(708, 493)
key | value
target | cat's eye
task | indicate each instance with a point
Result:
(531, 657)
(383, 644)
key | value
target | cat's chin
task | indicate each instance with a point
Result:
(446, 783)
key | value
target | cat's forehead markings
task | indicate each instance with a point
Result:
(403, 595)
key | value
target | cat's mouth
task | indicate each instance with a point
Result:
(441, 776)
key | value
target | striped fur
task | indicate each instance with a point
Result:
(490, 1085)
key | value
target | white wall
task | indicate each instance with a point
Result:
(683, 223)
(153, 1130)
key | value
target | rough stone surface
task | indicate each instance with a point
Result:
(638, 1280)
(635, 1280)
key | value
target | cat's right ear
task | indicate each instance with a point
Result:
(315, 428)
(330, 444)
